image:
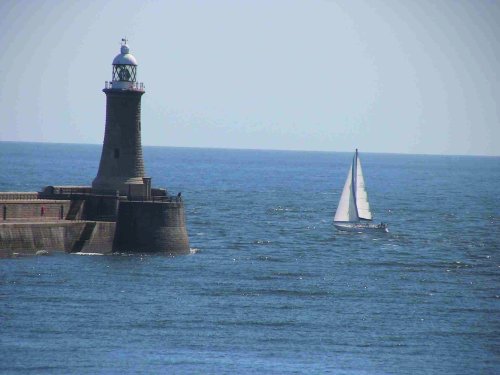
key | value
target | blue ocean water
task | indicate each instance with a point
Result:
(270, 287)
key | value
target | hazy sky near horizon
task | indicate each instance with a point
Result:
(399, 76)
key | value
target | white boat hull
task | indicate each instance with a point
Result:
(361, 227)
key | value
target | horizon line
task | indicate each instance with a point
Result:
(257, 149)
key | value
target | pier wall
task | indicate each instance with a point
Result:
(33, 210)
(63, 236)
(152, 227)
(101, 208)
(81, 222)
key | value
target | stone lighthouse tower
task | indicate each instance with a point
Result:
(122, 166)
(147, 219)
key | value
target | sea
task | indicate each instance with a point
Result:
(270, 286)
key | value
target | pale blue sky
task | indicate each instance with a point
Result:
(384, 76)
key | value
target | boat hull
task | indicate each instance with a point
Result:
(361, 227)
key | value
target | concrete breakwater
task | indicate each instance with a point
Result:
(72, 219)
(67, 236)
(142, 226)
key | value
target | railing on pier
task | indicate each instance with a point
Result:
(21, 195)
(170, 199)
(82, 192)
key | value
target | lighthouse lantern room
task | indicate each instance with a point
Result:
(124, 70)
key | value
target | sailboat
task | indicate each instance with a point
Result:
(353, 212)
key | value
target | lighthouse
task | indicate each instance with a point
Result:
(121, 212)
(147, 218)
(122, 166)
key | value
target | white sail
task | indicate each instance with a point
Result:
(362, 203)
(353, 212)
(346, 210)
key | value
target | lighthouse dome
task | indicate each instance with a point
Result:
(124, 58)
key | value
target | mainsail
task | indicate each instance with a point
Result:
(346, 211)
(353, 204)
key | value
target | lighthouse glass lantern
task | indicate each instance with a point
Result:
(124, 69)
